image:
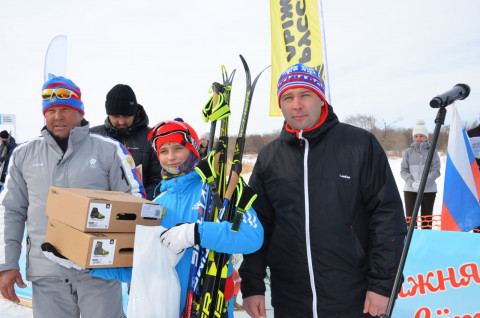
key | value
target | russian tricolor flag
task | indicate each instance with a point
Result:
(461, 207)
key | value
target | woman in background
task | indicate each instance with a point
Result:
(413, 164)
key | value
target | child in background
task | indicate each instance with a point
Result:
(177, 147)
(413, 164)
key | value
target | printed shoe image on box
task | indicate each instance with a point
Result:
(96, 215)
(91, 250)
(99, 249)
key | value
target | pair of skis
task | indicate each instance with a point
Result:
(206, 294)
(212, 169)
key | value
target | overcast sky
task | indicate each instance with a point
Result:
(385, 58)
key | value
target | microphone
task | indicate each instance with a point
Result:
(459, 91)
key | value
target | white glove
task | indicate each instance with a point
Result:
(180, 237)
(415, 185)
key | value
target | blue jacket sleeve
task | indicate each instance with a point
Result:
(220, 238)
(123, 274)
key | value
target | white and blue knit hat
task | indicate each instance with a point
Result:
(300, 75)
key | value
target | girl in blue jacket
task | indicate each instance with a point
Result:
(177, 147)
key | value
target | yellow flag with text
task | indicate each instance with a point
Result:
(297, 37)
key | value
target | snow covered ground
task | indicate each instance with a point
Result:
(11, 310)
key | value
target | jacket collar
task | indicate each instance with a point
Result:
(141, 120)
(419, 147)
(327, 120)
(180, 184)
(77, 136)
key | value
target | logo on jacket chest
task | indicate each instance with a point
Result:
(198, 205)
(92, 162)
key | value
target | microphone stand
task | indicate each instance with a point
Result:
(439, 121)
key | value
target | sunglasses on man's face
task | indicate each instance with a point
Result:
(61, 93)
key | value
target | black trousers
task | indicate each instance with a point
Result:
(426, 206)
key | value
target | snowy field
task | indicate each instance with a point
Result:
(11, 310)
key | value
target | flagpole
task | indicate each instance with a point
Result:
(458, 92)
(439, 121)
(324, 51)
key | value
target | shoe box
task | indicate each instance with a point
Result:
(101, 211)
(91, 250)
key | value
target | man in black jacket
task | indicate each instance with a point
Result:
(333, 218)
(7, 143)
(127, 122)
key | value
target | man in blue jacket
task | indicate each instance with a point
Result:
(332, 215)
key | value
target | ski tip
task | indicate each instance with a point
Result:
(247, 70)
(245, 65)
(266, 68)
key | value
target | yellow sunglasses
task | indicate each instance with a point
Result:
(61, 93)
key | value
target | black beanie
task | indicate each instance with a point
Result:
(121, 100)
(4, 134)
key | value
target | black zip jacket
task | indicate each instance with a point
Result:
(6, 148)
(135, 140)
(333, 220)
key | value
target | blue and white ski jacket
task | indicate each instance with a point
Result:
(90, 162)
(180, 198)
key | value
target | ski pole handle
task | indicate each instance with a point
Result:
(232, 181)
(237, 221)
(245, 198)
(217, 201)
(219, 148)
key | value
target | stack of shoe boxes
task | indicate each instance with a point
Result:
(95, 228)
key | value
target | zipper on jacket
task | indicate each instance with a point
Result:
(307, 225)
(60, 160)
(27, 254)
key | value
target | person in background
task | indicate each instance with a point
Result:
(177, 147)
(66, 155)
(7, 144)
(127, 122)
(203, 148)
(412, 166)
(331, 211)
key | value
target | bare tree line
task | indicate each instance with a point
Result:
(394, 140)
